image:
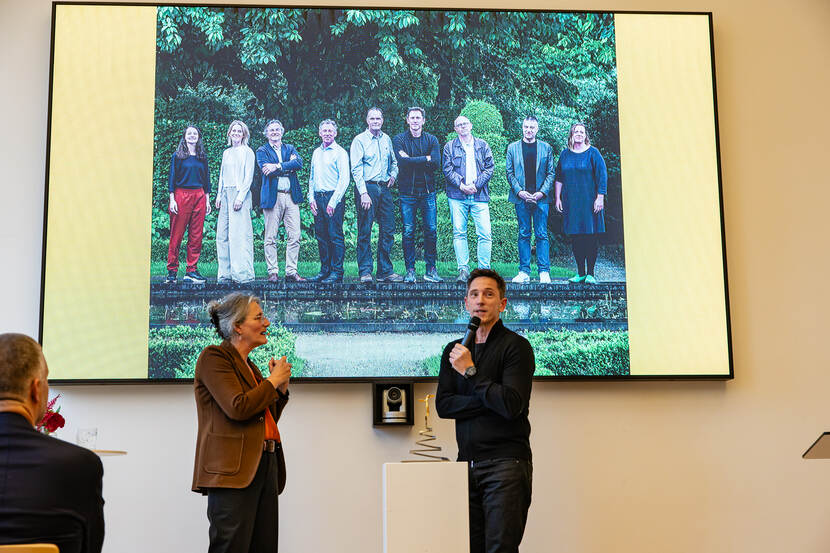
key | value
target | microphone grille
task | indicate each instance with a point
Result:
(474, 321)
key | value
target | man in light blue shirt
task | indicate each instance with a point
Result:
(327, 183)
(374, 169)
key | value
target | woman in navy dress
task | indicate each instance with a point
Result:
(581, 184)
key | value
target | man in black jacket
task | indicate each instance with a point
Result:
(419, 156)
(487, 392)
(50, 490)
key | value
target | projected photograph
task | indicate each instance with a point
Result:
(351, 167)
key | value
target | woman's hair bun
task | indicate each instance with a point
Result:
(213, 308)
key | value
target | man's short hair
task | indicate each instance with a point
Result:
(327, 122)
(272, 122)
(531, 118)
(489, 273)
(374, 108)
(416, 108)
(20, 362)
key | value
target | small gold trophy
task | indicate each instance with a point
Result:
(427, 450)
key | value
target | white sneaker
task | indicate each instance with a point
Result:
(544, 277)
(521, 278)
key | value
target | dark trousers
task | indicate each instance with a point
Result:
(246, 520)
(410, 205)
(329, 233)
(499, 501)
(382, 211)
(585, 248)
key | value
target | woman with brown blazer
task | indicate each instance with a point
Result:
(239, 459)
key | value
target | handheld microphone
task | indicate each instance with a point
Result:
(470, 338)
(470, 335)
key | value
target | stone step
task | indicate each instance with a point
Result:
(161, 292)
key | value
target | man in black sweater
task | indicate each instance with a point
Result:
(419, 156)
(487, 392)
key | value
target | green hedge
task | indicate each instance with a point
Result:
(484, 116)
(488, 125)
(568, 353)
(175, 349)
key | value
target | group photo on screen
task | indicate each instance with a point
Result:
(351, 167)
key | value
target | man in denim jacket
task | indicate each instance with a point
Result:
(468, 167)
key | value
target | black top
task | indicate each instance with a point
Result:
(50, 490)
(491, 408)
(529, 155)
(416, 175)
(419, 180)
(190, 172)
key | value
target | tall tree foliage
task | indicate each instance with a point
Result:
(306, 63)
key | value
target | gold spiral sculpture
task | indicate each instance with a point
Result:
(427, 450)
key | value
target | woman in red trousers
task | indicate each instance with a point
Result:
(189, 189)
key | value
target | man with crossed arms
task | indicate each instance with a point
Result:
(419, 155)
(280, 200)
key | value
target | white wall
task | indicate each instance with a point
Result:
(628, 467)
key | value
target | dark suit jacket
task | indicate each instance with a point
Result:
(268, 194)
(48, 483)
(230, 406)
(514, 165)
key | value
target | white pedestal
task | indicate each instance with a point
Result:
(425, 508)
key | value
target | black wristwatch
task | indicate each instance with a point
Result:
(470, 371)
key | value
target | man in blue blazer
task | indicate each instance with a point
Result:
(50, 490)
(280, 200)
(530, 194)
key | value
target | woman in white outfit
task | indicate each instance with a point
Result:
(234, 232)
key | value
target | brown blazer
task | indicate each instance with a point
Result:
(230, 405)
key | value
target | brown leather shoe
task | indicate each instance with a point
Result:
(273, 277)
(294, 278)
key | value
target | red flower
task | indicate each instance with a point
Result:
(52, 420)
(51, 404)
